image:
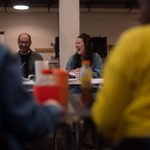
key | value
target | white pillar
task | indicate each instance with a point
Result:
(69, 28)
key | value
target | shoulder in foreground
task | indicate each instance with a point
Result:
(137, 31)
(3, 50)
(4, 53)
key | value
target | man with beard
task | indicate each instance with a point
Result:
(26, 56)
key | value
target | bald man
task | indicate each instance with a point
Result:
(26, 56)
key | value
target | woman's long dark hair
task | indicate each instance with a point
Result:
(88, 51)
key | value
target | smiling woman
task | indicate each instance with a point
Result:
(84, 51)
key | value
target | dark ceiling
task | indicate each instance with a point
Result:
(108, 3)
(83, 3)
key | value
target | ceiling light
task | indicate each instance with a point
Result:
(21, 7)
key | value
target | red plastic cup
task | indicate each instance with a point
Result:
(44, 93)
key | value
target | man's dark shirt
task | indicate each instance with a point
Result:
(25, 63)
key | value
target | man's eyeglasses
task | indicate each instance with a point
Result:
(24, 42)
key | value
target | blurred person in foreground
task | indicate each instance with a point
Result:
(121, 111)
(22, 120)
(26, 56)
(84, 51)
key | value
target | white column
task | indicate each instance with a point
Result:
(68, 28)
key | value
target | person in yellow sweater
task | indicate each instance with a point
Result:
(122, 107)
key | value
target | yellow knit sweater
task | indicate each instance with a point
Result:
(122, 107)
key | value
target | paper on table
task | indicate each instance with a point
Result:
(72, 79)
(93, 81)
(28, 82)
(97, 81)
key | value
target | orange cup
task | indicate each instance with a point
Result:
(61, 77)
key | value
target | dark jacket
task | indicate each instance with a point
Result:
(31, 64)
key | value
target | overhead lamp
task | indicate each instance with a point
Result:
(21, 6)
